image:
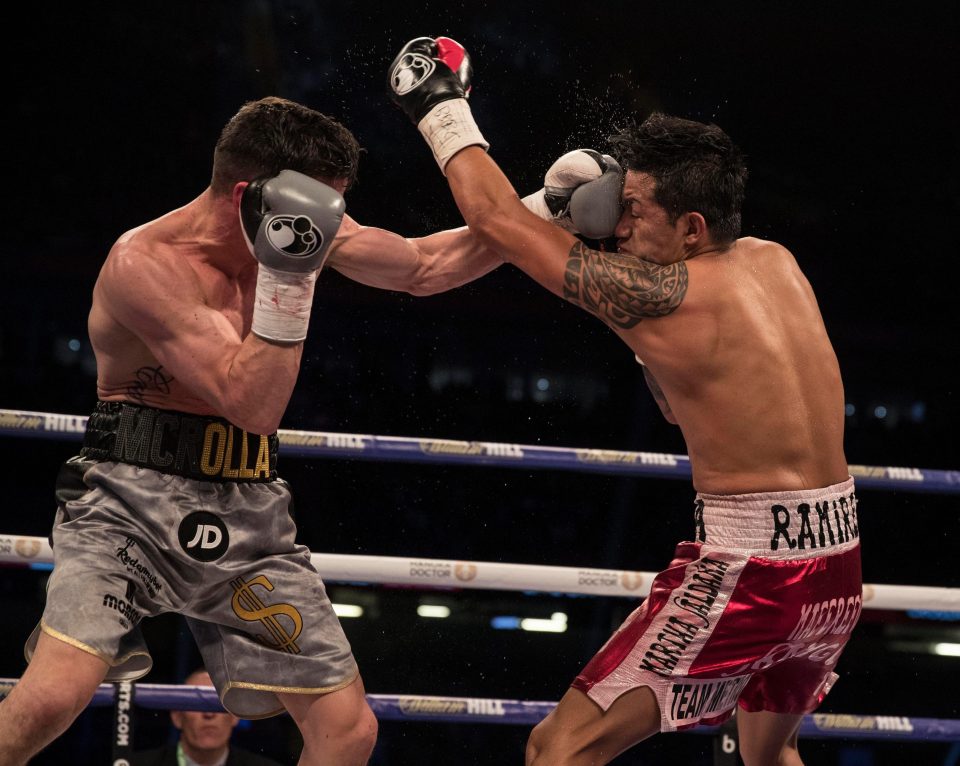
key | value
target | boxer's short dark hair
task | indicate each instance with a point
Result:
(696, 167)
(274, 134)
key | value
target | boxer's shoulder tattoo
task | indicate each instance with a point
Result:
(621, 289)
(148, 379)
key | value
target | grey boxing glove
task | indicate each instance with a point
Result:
(581, 193)
(289, 222)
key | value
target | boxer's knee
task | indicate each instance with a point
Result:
(337, 728)
(57, 685)
(535, 744)
(350, 743)
(551, 744)
(31, 718)
(361, 737)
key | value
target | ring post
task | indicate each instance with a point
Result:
(123, 698)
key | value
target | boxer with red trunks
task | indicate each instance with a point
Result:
(742, 614)
(757, 608)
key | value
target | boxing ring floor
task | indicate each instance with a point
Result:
(461, 678)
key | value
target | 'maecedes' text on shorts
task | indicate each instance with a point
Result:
(757, 611)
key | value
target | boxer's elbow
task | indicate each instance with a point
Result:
(255, 418)
(257, 401)
(491, 220)
(430, 279)
(258, 424)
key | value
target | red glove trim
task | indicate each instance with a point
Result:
(450, 52)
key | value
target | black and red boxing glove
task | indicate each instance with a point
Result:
(430, 81)
(428, 71)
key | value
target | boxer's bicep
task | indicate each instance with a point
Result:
(621, 289)
(421, 266)
(163, 307)
(374, 257)
(452, 258)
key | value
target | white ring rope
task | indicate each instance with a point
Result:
(488, 575)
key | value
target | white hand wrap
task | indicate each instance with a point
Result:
(580, 194)
(281, 310)
(536, 203)
(448, 128)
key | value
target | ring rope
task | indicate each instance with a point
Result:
(49, 425)
(449, 574)
(412, 707)
(490, 575)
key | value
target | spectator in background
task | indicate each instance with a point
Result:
(204, 738)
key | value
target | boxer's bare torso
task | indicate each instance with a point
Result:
(144, 266)
(747, 370)
(731, 334)
(172, 308)
(170, 321)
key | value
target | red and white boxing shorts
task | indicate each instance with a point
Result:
(757, 610)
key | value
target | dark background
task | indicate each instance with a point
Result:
(847, 114)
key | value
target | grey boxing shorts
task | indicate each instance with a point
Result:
(133, 542)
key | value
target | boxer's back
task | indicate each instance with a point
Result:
(749, 372)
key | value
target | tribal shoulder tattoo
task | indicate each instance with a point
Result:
(620, 289)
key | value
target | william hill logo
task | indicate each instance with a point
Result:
(326, 440)
(418, 706)
(628, 458)
(825, 721)
(438, 706)
(888, 472)
(488, 449)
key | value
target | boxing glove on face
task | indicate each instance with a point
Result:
(596, 206)
(581, 193)
(290, 220)
(430, 81)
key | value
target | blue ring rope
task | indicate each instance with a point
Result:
(392, 707)
(324, 444)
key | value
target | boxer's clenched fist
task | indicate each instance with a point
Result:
(430, 81)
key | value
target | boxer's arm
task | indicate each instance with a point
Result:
(430, 81)
(619, 289)
(157, 297)
(421, 266)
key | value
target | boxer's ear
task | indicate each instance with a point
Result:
(693, 226)
(237, 194)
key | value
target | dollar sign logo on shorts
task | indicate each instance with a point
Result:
(248, 606)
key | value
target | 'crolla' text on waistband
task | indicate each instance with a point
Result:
(195, 446)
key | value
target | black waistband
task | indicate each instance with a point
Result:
(195, 446)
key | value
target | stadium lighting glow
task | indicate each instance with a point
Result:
(433, 610)
(947, 650)
(556, 624)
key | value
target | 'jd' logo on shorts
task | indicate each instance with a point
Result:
(203, 536)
